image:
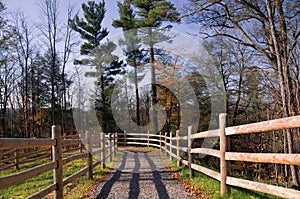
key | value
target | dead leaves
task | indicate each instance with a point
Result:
(197, 191)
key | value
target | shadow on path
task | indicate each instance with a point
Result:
(134, 183)
(159, 185)
(134, 187)
(108, 185)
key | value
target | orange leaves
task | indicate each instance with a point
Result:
(190, 78)
(196, 191)
(200, 192)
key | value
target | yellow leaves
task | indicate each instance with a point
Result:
(190, 186)
(191, 78)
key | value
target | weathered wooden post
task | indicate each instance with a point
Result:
(171, 143)
(80, 145)
(124, 138)
(148, 138)
(110, 146)
(114, 144)
(223, 148)
(88, 137)
(17, 157)
(117, 140)
(80, 148)
(103, 149)
(160, 141)
(57, 157)
(177, 149)
(190, 155)
(166, 143)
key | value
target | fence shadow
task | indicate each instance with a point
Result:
(106, 189)
(134, 183)
(157, 179)
(134, 187)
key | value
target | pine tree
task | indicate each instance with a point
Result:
(151, 14)
(131, 44)
(91, 30)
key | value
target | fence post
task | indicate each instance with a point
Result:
(17, 158)
(124, 138)
(166, 143)
(223, 164)
(114, 144)
(110, 146)
(190, 155)
(88, 137)
(117, 140)
(103, 149)
(57, 157)
(160, 141)
(148, 138)
(171, 143)
(80, 148)
(177, 149)
(80, 145)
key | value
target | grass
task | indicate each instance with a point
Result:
(77, 189)
(28, 187)
(206, 187)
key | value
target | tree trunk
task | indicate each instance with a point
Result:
(102, 117)
(138, 118)
(153, 82)
(284, 83)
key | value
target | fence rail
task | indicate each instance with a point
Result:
(14, 158)
(171, 143)
(167, 143)
(107, 151)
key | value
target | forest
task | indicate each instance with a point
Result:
(253, 45)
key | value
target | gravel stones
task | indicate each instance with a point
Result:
(140, 174)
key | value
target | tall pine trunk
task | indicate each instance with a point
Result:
(153, 82)
(138, 118)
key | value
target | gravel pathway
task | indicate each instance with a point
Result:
(140, 175)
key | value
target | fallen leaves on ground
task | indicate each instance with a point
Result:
(199, 192)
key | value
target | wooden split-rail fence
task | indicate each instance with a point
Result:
(19, 156)
(170, 145)
(106, 150)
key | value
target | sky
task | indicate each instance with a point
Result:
(31, 11)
